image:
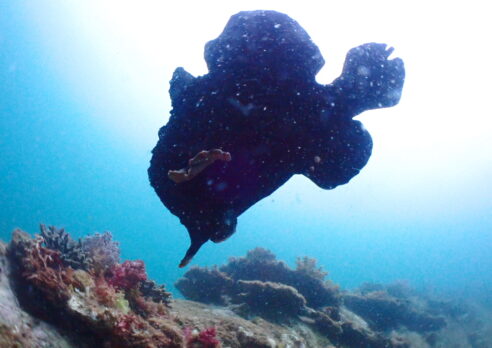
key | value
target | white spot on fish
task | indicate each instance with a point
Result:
(244, 109)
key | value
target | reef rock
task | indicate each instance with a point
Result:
(259, 285)
(18, 328)
(44, 302)
(385, 312)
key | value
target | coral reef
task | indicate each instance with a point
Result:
(128, 275)
(18, 329)
(385, 312)
(118, 307)
(375, 315)
(261, 264)
(234, 331)
(103, 304)
(45, 302)
(195, 285)
(98, 252)
(260, 285)
(278, 300)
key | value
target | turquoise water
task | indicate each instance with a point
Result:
(75, 141)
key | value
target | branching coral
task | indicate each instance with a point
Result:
(71, 252)
(97, 252)
(157, 293)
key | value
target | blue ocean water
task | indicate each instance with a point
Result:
(423, 214)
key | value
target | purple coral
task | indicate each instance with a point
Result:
(102, 250)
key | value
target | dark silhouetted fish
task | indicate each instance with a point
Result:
(258, 117)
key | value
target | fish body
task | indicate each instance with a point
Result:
(260, 104)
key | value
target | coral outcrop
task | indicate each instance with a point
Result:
(279, 300)
(70, 251)
(385, 312)
(109, 304)
(260, 285)
(261, 264)
(46, 302)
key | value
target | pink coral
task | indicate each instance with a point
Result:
(208, 338)
(128, 274)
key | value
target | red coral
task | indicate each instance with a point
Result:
(208, 338)
(44, 268)
(204, 339)
(128, 274)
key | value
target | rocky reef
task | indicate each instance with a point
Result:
(60, 292)
(259, 285)
(374, 315)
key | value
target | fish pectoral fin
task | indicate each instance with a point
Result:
(196, 244)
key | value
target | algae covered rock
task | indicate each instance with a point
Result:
(385, 312)
(307, 279)
(106, 308)
(268, 299)
(44, 302)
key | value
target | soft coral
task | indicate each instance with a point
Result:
(128, 275)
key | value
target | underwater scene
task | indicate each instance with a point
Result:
(258, 174)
